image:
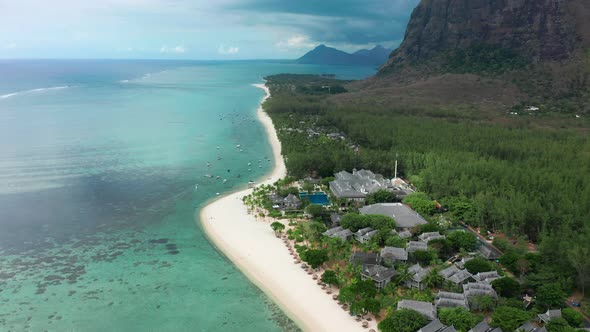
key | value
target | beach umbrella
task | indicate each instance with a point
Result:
(315, 277)
(329, 291)
(365, 324)
(371, 330)
(358, 318)
(335, 297)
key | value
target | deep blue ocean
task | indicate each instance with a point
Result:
(103, 165)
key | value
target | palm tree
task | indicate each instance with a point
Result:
(433, 279)
(402, 276)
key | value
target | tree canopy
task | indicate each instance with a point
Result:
(459, 317)
(403, 320)
(509, 319)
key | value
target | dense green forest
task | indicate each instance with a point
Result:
(527, 182)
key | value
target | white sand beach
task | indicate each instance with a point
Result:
(264, 259)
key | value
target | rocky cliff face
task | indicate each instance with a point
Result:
(539, 30)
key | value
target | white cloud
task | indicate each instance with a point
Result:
(10, 46)
(174, 49)
(228, 50)
(295, 42)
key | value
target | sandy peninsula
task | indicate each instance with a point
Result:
(252, 246)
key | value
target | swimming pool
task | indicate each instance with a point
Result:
(318, 198)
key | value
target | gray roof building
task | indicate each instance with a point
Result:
(339, 232)
(417, 245)
(437, 326)
(450, 300)
(549, 315)
(418, 273)
(332, 231)
(487, 276)
(404, 216)
(405, 234)
(364, 258)
(477, 289)
(425, 308)
(357, 185)
(483, 326)
(455, 275)
(526, 327)
(335, 218)
(461, 263)
(429, 236)
(365, 234)
(381, 275)
(394, 254)
(488, 252)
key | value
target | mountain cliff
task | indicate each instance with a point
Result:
(498, 55)
(536, 30)
(324, 55)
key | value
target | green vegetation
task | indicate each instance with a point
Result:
(509, 177)
(463, 240)
(478, 264)
(551, 296)
(482, 59)
(506, 287)
(314, 257)
(460, 318)
(573, 318)
(330, 277)
(277, 227)
(420, 202)
(509, 319)
(404, 320)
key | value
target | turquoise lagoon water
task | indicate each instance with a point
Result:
(103, 165)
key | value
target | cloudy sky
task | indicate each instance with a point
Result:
(196, 29)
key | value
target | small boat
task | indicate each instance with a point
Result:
(208, 164)
(238, 146)
(218, 158)
(216, 194)
(249, 170)
(196, 186)
(218, 148)
(224, 180)
(218, 177)
(208, 175)
(249, 164)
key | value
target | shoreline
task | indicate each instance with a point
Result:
(252, 246)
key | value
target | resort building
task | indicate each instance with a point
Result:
(478, 289)
(429, 236)
(549, 315)
(380, 275)
(405, 218)
(416, 246)
(483, 326)
(437, 326)
(528, 327)
(489, 252)
(487, 276)
(392, 254)
(339, 232)
(461, 264)
(450, 300)
(364, 258)
(335, 218)
(418, 273)
(358, 185)
(404, 234)
(455, 275)
(365, 234)
(425, 308)
(291, 202)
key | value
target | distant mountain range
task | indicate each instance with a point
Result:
(324, 55)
